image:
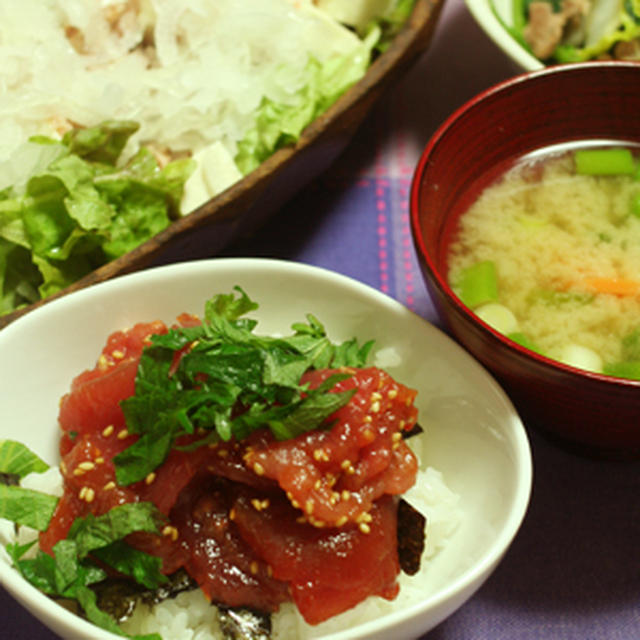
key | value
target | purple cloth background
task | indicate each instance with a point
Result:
(573, 571)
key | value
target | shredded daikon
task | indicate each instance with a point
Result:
(192, 74)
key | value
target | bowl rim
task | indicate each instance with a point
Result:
(485, 16)
(504, 86)
(521, 458)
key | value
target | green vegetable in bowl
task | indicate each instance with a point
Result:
(559, 31)
(607, 161)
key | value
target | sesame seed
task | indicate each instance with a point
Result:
(345, 464)
(269, 570)
(110, 485)
(317, 484)
(375, 406)
(223, 453)
(117, 354)
(232, 514)
(82, 493)
(308, 506)
(367, 419)
(396, 437)
(89, 494)
(259, 505)
(365, 528)
(87, 465)
(107, 431)
(103, 363)
(150, 478)
(392, 393)
(170, 532)
(253, 567)
(124, 433)
(258, 469)
(346, 494)
(341, 521)
(368, 435)
(376, 396)
(320, 455)
(402, 424)
(301, 520)
(100, 460)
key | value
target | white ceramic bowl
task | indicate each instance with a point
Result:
(475, 437)
(485, 16)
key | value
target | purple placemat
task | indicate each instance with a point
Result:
(573, 571)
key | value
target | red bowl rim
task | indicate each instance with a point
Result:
(424, 255)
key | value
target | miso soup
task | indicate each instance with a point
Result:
(549, 255)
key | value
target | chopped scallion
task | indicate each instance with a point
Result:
(478, 284)
(605, 162)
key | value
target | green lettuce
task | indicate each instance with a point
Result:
(279, 124)
(75, 206)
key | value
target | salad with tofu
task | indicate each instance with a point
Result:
(119, 116)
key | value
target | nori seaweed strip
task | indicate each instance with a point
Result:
(178, 582)
(411, 537)
(119, 596)
(10, 479)
(244, 624)
(414, 431)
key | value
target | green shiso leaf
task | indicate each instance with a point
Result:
(17, 459)
(26, 506)
(71, 570)
(94, 532)
(223, 378)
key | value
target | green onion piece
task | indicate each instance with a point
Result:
(629, 370)
(478, 284)
(524, 341)
(604, 162)
(635, 205)
(631, 346)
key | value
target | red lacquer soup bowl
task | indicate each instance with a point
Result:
(594, 413)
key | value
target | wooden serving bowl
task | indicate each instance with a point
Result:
(591, 412)
(247, 204)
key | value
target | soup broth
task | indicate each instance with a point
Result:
(549, 254)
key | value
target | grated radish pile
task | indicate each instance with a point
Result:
(192, 74)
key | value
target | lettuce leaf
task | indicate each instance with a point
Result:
(73, 206)
(279, 124)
